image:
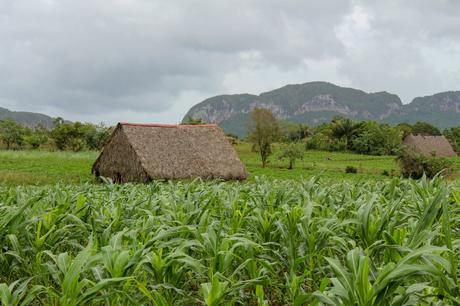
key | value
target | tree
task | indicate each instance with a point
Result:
(425, 128)
(263, 131)
(78, 136)
(453, 135)
(376, 139)
(370, 139)
(11, 133)
(405, 128)
(193, 121)
(69, 136)
(37, 137)
(415, 165)
(293, 132)
(96, 135)
(291, 152)
(344, 128)
(322, 139)
(393, 139)
(58, 121)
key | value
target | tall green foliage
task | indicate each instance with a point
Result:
(66, 136)
(263, 131)
(12, 133)
(344, 128)
(425, 128)
(291, 152)
(453, 135)
(213, 243)
(364, 137)
(192, 121)
(415, 165)
(79, 136)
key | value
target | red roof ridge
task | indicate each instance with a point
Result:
(168, 125)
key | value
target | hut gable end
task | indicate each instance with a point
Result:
(119, 161)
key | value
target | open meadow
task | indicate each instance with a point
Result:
(44, 167)
(313, 235)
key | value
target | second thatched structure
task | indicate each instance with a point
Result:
(429, 145)
(144, 152)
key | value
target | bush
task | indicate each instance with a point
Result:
(322, 141)
(414, 165)
(351, 169)
(291, 152)
(35, 140)
(391, 172)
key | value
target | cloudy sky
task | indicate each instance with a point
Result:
(150, 60)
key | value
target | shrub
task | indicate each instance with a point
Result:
(351, 169)
(35, 140)
(11, 133)
(322, 141)
(414, 165)
(391, 172)
(291, 152)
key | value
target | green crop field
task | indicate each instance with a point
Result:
(264, 242)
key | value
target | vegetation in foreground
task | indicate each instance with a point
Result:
(264, 243)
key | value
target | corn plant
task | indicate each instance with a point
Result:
(267, 242)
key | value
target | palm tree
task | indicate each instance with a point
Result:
(344, 128)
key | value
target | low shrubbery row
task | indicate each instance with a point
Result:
(63, 136)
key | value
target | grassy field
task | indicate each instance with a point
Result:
(43, 167)
(326, 164)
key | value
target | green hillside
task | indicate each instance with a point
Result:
(318, 102)
(27, 118)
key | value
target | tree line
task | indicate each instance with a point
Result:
(340, 134)
(71, 136)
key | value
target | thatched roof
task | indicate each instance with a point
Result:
(429, 145)
(141, 152)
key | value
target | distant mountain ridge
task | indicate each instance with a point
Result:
(28, 119)
(318, 102)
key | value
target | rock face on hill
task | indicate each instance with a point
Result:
(441, 109)
(318, 102)
(27, 118)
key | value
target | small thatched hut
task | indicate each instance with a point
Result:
(429, 145)
(143, 152)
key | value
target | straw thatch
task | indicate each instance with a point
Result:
(429, 145)
(143, 152)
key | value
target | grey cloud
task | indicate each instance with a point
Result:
(153, 59)
(404, 48)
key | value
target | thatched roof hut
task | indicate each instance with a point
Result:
(429, 145)
(143, 152)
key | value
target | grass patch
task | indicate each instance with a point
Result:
(326, 164)
(44, 167)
